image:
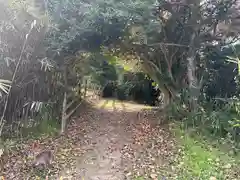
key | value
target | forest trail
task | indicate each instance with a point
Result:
(108, 136)
(110, 140)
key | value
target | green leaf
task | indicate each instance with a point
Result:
(154, 84)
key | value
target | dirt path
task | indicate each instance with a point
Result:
(110, 141)
(107, 137)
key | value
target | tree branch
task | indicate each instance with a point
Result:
(168, 44)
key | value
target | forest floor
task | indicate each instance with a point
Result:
(109, 140)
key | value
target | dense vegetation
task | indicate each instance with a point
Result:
(181, 56)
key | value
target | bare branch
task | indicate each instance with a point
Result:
(168, 44)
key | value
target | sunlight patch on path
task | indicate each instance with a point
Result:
(113, 104)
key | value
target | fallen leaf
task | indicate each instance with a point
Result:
(153, 176)
(212, 178)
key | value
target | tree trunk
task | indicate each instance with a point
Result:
(85, 88)
(191, 58)
(166, 91)
(64, 105)
(120, 75)
(64, 114)
(192, 79)
(166, 97)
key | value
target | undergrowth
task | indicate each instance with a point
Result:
(42, 126)
(45, 127)
(198, 159)
(219, 123)
(208, 140)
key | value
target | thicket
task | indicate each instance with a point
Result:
(53, 51)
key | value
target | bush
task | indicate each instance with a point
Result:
(217, 124)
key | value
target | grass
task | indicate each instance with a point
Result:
(45, 127)
(196, 158)
(199, 160)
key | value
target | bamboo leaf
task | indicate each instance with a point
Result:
(4, 85)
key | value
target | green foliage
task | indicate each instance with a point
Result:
(198, 159)
(45, 127)
(91, 24)
(221, 79)
(101, 70)
(105, 69)
(62, 29)
(123, 90)
(217, 123)
(47, 123)
(67, 27)
(42, 121)
(195, 157)
(136, 27)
